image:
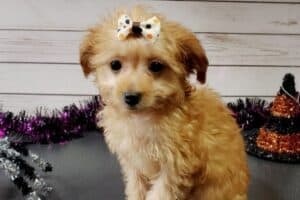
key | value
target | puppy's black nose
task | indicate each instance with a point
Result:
(132, 98)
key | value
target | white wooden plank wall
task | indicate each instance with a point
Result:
(251, 44)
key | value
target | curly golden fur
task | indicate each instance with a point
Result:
(178, 143)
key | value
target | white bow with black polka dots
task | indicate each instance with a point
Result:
(150, 28)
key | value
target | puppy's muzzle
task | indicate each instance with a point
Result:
(132, 98)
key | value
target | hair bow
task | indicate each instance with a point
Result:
(149, 29)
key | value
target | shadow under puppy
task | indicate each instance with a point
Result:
(173, 141)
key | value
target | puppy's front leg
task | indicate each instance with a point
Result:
(178, 173)
(166, 187)
(136, 186)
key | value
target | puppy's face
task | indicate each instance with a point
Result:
(135, 75)
(138, 76)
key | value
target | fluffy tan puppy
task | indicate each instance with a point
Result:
(174, 142)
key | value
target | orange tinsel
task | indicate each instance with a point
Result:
(278, 143)
(284, 106)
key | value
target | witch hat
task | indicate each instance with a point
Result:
(279, 138)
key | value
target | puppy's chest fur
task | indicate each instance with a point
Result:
(136, 141)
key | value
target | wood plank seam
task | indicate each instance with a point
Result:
(242, 1)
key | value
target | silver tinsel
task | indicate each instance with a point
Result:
(32, 196)
(8, 155)
(41, 186)
(11, 169)
(39, 161)
(5, 147)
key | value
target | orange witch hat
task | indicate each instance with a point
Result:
(279, 138)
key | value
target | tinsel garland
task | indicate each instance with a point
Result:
(58, 126)
(23, 175)
(72, 121)
(251, 113)
(43, 128)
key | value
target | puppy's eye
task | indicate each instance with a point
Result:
(115, 65)
(155, 66)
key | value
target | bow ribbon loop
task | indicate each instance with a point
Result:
(149, 29)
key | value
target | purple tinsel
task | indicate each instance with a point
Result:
(251, 113)
(59, 126)
(72, 121)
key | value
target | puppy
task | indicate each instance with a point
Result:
(174, 142)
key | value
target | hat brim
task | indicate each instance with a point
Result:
(252, 149)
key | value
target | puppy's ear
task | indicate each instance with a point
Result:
(86, 52)
(193, 56)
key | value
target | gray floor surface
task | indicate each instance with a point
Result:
(85, 170)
